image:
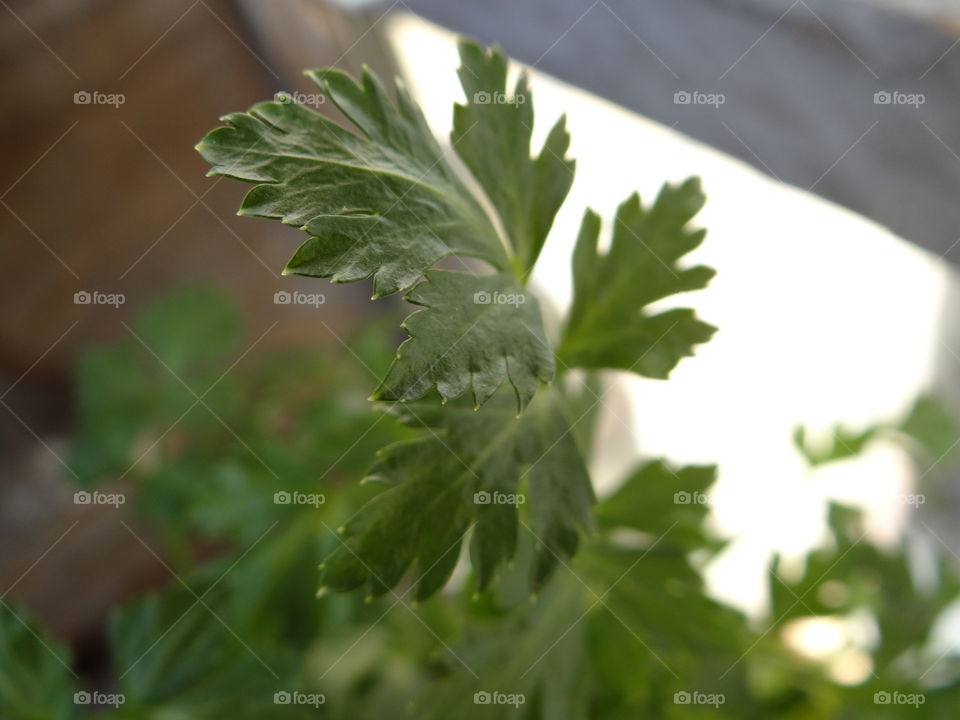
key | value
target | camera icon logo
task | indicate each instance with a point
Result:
(682, 498)
(82, 297)
(481, 498)
(82, 97)
(282, 297)
(81, 497)
(882, 97)
(281, 498)
(81, 698)
(481, 698)
(281, 698)
(481, 298)
(881, 698)
(682, 698)
(481, 97)
(682, 97)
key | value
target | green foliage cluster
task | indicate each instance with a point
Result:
(386, 201)
(619, 630)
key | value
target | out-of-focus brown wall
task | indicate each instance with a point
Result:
(97, 197)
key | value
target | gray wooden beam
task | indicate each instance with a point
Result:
(798, 77)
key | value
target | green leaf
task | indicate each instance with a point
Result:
(928, 432)
(536, 652)
(191, 328)
(616, 635)
(854, 575)
(112, 400)
(388, 204)
(658, 500)
(842, 444)
(35, 675)
(932, 426)
(181, 657)
(385, 203)
(609, 325)
(491, 132)
(476, 333)
(125, 394)
(468, 469)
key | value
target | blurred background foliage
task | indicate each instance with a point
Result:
(622, 632)
(210, 585)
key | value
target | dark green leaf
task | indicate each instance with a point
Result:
(619, 631)
(477, 332)
(659, 500)
(385, 203)
(175, 658)
(608, 326)
(388, 204)
(491, 132)
(468, 467)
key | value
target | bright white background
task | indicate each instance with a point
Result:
(823, 316)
